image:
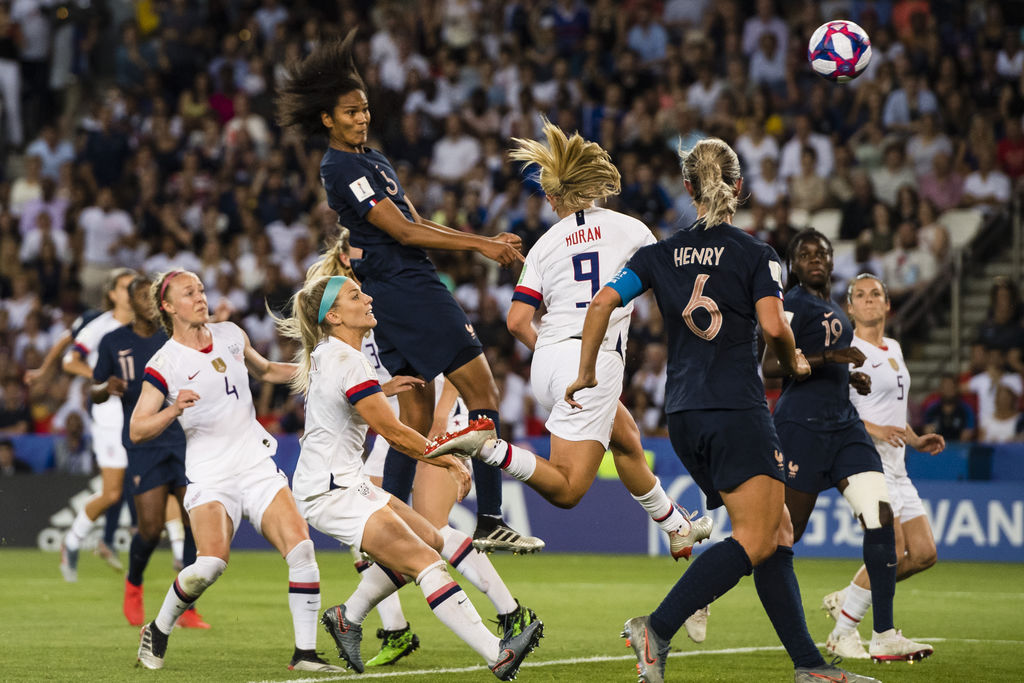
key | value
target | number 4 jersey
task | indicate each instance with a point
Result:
(222, 435)
(707, 282)
(570, 262)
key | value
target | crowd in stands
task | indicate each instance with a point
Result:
(143, 135)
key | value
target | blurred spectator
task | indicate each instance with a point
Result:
(849, 264)
(51, 149)
(10, 75)
(646, 37)
(72, 451)
(27, 187)
(40, 235)
(894, 174)
(789, 164)
(807, 190)
(647, 200)
(10, 464)
(1010, 151)
(753, 146)
(907, 268)
(455, 153)
(766, 20)
(14, 414)
(906, 104)
(856, 211)
(768, 64)
(1006, 424)
(926, 143)
(984, 384)
(49, 202)
(943, 186)
(769, 185)
(987, 187)
(1002, 327)
(950, 415)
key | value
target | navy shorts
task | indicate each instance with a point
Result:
(421, 330)
(152, 467)
(817, 460)
(721, 449)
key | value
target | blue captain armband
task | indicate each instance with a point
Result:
(627, 284)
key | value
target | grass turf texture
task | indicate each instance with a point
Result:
(51, 630)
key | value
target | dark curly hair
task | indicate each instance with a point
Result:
(314, 85)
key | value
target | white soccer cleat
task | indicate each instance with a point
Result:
(463, 443)
(833, 604)
(697, 625)
(846, 644)
(893, 646)
(681, 545)
(152, 647)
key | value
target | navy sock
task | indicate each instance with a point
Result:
(880, 562)
(138, 557)
(487, 477)
(112, 519)
(188, 552)
(780, 594)
(399, 473)
(711, 575)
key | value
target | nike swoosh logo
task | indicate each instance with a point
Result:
(876, 365)
(463, 600)
(647, 651)
(191, 377)
(834, 679)
(507, 656)
(830, 314)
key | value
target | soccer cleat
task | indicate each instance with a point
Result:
(309, 660)
(394, 646)
(152, 647)
(68, 564)
(513, 649)
(104, 552)
(829, 673)
(347, 636)
(833, 604)
(190, 619)
(133, 609)
(681, 545)
(516, 621)
(493, 534)
(892, 646)
(846, 644)
(697, 625)
(463, 443)
(650, 650)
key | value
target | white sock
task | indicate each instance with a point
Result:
(303, 593)
(176, 535)
(517, 462)
(186, 589)
(391, 616)
(477, 568)
(659, 506)
(855, 606)
(453, 608)
(80, 528)
(376, 582)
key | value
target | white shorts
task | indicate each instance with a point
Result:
(248, 494)
(554, 368)
(342, 513)
(905, 500)
(109, 449)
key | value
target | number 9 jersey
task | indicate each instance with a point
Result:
(222, 436)
(707, 282)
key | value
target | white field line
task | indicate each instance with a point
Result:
(594, 659)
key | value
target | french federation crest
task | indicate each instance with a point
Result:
(894, 364)
(219, 365)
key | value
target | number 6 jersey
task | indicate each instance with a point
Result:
(221, 432)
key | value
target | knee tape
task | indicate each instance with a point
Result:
(302, 555)
(201, 574)
(440, 564)
(866, 493)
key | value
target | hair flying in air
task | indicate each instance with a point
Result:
(314, 85)
(330, 263)
(572, 170)
(303, 327)
(713, 169)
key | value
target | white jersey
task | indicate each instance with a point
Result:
(570, 263)
(372, 353)
(107, 416)
(222, 436)
(887, 403)
(332, 445)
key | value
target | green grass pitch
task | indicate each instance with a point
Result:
(50, 630)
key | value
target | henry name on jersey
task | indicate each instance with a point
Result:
(703, 256)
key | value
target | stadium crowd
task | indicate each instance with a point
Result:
(143, 135)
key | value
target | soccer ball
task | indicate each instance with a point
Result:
(839, 50)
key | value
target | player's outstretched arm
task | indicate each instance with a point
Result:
(74, 364)
(595, 326)
(150, 418)
(266, 370)
(53, 356)
(781, 357)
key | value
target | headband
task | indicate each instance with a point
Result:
(330, 294)
(171, 275)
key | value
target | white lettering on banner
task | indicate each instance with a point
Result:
(999, 520)
(938, 515)
(51, 537)
(965, 523)
(848, 531)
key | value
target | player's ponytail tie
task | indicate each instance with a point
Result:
(330, 294)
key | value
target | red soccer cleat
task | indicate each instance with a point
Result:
(133, 608)
(466, 442)
(191, 619)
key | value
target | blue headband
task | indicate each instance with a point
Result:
(330, 294)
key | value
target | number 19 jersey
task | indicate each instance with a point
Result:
(222, 436)
(570, 262)
(706, 283)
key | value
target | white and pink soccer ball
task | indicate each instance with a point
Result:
(839, 50)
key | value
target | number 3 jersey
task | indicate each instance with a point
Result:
(707, 283)
(222, 435)
(568, 265)
(887, 402)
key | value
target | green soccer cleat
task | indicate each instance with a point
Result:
(395, 645)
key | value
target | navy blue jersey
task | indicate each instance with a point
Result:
(707, 283)
(822, 401)
(124, 354)
(356, 183)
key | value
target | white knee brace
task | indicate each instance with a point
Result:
(201, 574)
(301, 556)
(865, 492)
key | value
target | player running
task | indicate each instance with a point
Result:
(343, 396)
(714, 283)
(884, 414)
(823, 439)
(422, 331)
(563, 271)
(156, 470)
(200, 377)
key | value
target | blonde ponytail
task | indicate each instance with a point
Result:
(713, 169)
(303, 327)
